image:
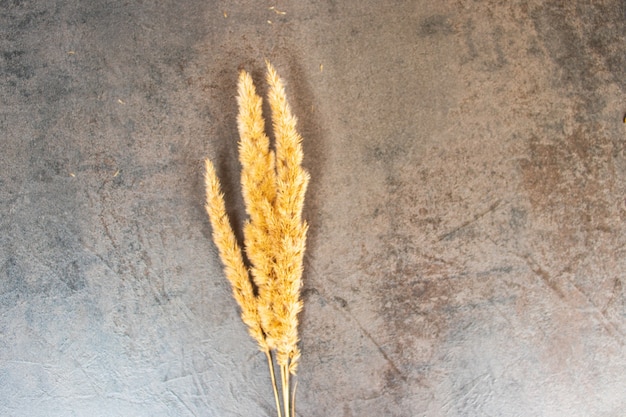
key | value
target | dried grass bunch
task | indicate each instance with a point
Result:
(273, 186)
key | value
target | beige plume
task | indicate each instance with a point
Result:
(273, 187)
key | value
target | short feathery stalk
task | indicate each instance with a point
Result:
(292, 182)
(231, 257)
(273, 186)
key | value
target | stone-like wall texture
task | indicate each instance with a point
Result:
(466, 255)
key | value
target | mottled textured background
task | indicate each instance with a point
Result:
(466, 255)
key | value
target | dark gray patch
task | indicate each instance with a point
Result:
(499, 60)
(519, 218)
(12, 275)
(6, 4)
(15, 64)
(411, 279)
(435, 25)
(72, 277)
(386, 154)
(49, 170)
(54, 87)
(392, 149)
(309, 292)
(534, 48)
(484, 50)
(342, 303)
(472, 50)
(30, 19)
(584, 40)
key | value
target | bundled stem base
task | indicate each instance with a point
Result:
(273, 185)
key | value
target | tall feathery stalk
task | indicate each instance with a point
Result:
(273, 187)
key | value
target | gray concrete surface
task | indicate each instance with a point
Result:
(467, 206)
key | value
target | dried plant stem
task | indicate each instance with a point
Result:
(273, 187)
(270, 364)
(284, 372)
(293, 400)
